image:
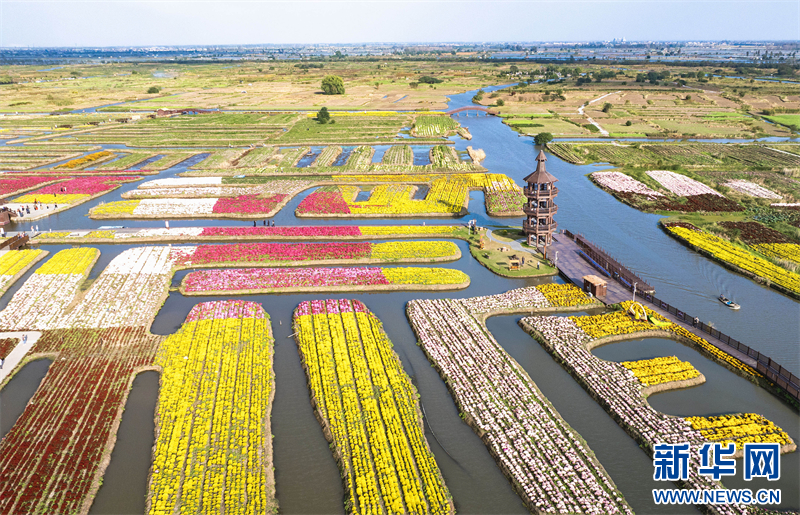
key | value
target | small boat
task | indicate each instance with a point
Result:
(728, 302)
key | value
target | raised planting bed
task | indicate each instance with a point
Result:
(368, 410)
(259, 233)
(213, 451)
(294, 280)
(549, 465)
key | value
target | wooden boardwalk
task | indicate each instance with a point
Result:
(574, 267)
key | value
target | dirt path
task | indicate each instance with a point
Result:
(591, 121)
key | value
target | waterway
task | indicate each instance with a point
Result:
(307, 479)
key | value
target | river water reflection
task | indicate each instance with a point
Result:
(307, 479)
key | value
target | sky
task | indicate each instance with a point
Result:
(155, 22)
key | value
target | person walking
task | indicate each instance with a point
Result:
(254, 223)
(166, 224)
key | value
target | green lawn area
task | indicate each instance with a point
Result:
(785, 119)
(555, 126)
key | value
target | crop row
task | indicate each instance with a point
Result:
(327, 156)
(368, 406)
(213, 452)
(398, 155)
(433, 125)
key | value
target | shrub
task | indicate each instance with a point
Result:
(427, 79)
(333, 85)
(323, 116)
(154, 89)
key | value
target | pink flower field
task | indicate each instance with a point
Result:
(324, 202)
(248, 204)
(268, 278)
(261, 252)
(300, 232)
(11, 184)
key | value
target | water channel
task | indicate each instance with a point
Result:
(307, 479)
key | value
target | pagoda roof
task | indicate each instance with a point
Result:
(540, 175)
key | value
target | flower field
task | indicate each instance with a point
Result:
(618, 181)
(786, 251)
(14, 262)
(313, 253)
(6, 346)
(75, 190)
(448, 195)
(51, 461)
(277, 280)
(661, 370)
(84, 161)
(620, 392)
(368, 407)
(243, 206)
(191, 234)
(11, 184)
(723, 250)
(692, 196)
(680, 184)
(42, 300)
(214, 449)
(739, 429)
(190, 192)
(548, 464)
(751, 189)
(182, 182)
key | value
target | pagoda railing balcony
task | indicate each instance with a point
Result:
(535, 211)
(537, 193)
(539, 228)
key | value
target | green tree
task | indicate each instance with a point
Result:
(543, 138)
(333, 85)
(154, 89)
(607, 107)
(500, 102)
(323, 116)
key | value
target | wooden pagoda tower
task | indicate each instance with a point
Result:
(540, 208)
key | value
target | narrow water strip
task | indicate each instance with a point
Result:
(124, 486)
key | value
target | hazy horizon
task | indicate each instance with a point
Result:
(68, 23)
